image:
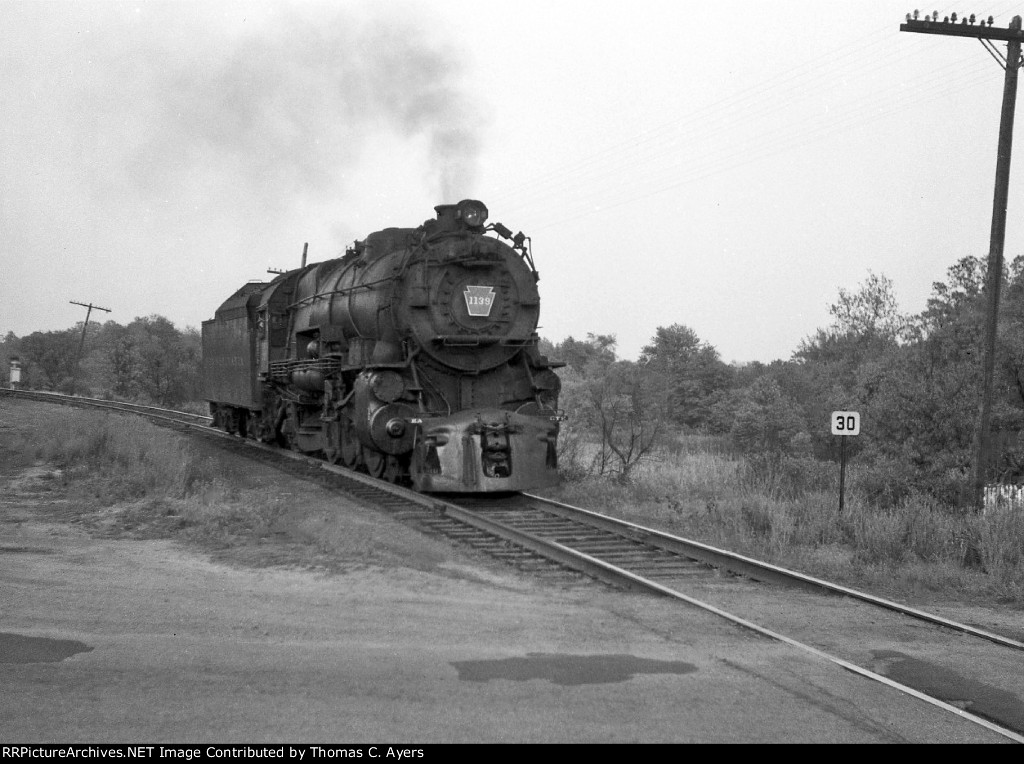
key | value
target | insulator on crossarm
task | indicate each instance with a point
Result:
(953, 18)
(972, 18)
(908, 18)
(915, 14)
(990, 21)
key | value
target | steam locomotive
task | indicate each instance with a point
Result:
(414, 358)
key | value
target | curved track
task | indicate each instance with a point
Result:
(647, 560)
(547, 537)
(170, 416)
(654, 556)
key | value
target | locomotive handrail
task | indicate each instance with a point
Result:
(334, 292)
(476, 340)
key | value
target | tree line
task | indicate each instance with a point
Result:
(915, 379)
(148, 360)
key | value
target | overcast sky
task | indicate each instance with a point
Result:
(728, 166)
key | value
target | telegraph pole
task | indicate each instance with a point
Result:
(85, 326)
(993, 277)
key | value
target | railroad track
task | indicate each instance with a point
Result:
(723, 583)
(544, 537)
(154, 413)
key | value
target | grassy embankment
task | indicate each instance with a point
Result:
(129, 476)
(789, 514)
(125, 475)
(120, 476)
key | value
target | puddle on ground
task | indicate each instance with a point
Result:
(568, 669)
(15, 648)
(978, 698)
(24, 550)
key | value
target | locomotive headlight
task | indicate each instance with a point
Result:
(472, 213)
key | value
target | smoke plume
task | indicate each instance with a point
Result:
(286, 111)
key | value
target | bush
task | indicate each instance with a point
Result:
(1001, 547)
(572, 462)
(757, 517)
(124, 458)
(876, 537)
(789, 477)
(884, 483)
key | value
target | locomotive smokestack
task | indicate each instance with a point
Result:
(446, 214)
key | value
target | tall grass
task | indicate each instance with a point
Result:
(787, 511)
(125, 475)
(133, 475)
(120, 457)
(122, 477)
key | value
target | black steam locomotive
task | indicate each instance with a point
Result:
(413, 358)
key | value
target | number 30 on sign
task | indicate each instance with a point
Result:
(845, 423)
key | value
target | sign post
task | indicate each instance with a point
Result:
(844, 423)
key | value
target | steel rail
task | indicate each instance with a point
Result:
(614, 574)
(719, 558)
(137, 408)
(763, 571)
(619, 576)
(653, 586)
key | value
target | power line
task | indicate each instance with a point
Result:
(580, 183)
(91, 308)
(595, 199)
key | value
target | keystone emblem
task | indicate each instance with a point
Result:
(479, 300)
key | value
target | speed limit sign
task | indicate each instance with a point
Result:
(846, 423)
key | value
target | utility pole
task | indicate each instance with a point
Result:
(85, 326)
(993, 277)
